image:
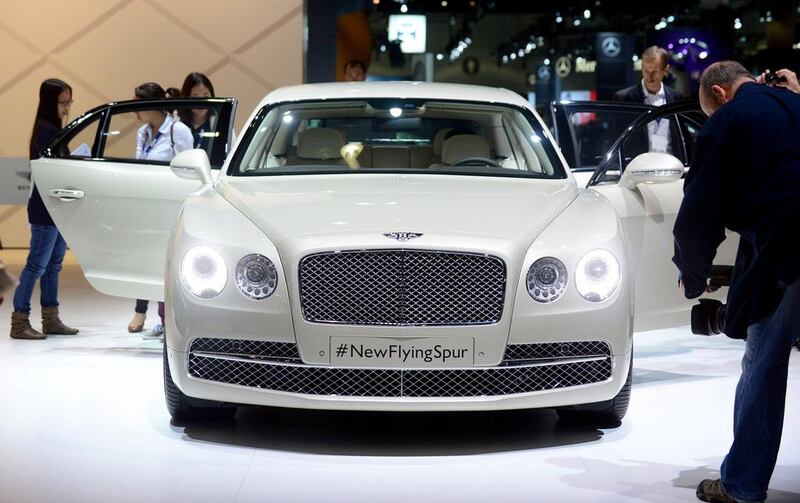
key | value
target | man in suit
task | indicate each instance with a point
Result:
(655, 68)
(745, 176)
(652, 91)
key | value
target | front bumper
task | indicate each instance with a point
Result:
(272, 374)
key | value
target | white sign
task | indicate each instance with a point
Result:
(583, 65)
(409, 30)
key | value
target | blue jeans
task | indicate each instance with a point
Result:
(760, 401)
(44, 261)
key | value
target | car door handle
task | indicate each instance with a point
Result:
(66, 194)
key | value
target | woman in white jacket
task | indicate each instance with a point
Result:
(160, 138)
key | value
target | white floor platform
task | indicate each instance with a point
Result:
(82, 419)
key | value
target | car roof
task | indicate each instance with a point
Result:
(394, 89)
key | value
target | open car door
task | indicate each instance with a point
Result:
(114, 211)
(600, 140)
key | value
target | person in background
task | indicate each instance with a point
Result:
(355, 71)
(652, 91)
(159, 138)
(197, 85)
(47, 247)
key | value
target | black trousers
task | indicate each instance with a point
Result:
(141, 306)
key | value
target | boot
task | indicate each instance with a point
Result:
(21, 327)
(137, 323)
(712, 491)
(51, 323)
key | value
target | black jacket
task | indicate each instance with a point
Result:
(635, 94)
(745, 176)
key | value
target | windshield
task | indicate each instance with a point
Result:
(366, 136)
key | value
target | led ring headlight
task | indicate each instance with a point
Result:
(547, 279)
(597, 275)
(256, 277)
(203, 272)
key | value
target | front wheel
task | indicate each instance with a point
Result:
(606, 414)
(186, 408)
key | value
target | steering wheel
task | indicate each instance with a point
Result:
(476, 161)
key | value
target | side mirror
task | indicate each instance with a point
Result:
(651, 167)
(192, 164)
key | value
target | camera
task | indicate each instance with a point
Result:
(772, 78)
(708, 317)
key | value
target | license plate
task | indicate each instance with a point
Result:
(439, 352)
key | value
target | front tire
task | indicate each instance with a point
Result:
(605, 414)
(186, 408)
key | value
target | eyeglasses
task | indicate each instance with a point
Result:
(65, 103)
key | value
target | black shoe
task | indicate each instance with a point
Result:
(711, 490)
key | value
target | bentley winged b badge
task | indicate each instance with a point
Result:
(402, 236)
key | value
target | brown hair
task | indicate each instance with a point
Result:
(196, 79)
(656, 52)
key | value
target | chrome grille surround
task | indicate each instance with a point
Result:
(265, 371)
(402, 287)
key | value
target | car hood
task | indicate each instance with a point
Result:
(296, 207)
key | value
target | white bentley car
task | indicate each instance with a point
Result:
(375, 246)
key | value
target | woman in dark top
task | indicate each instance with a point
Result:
(197, 85)
(47, 246)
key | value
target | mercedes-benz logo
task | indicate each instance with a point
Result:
(543, 72)
(563, 66)
(402, 236)
(611, 47)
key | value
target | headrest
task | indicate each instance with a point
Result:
(462, 146)
(320, 143)
(438, 140)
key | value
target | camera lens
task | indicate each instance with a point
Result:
(708, 317)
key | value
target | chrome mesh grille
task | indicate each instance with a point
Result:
(402, 287)
(512, 376)
(282, 351)
(555, 350)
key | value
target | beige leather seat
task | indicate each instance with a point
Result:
(438, 141)
(319, 146)
(462, 146)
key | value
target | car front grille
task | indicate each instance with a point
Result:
(547, 366)
(402, 288)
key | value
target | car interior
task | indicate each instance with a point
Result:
(434, 136)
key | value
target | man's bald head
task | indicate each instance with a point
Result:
(719, 84)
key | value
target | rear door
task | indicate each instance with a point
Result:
(116, 212)
(648, 212)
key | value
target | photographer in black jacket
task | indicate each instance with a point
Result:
(745, 176)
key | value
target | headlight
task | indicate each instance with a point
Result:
(203, 271)
(256, 277)
(547, 279)
(597, 275)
